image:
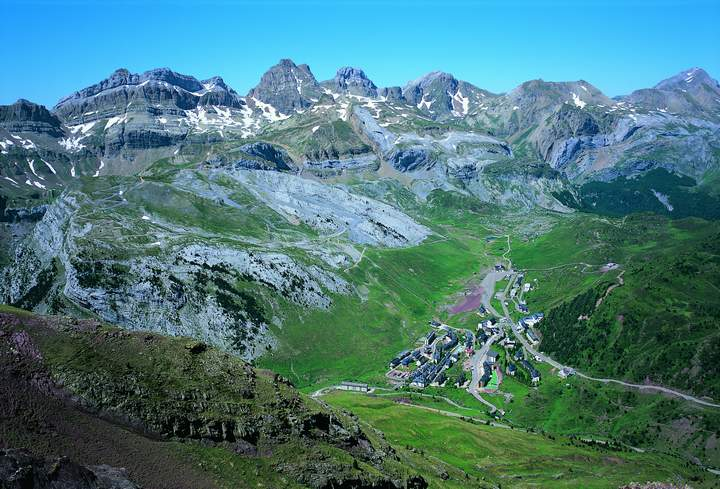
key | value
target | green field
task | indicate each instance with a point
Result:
(512, 458)
(403, 289)
(563, 256)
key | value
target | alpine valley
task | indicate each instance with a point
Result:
(331, 284)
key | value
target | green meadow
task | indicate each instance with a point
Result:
(512, 458)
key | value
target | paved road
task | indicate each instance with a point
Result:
(477, 360)
(545, 358)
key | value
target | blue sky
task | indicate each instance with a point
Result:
(51, 48)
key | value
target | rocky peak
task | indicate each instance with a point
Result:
(442, 95)
(122, 77)
(287, 87)
(118, 78)
(690, 92)
(691, 80)
(391, 94)
(428, 83)
(186, 82)
(161, 88)
(353, 81)
(215, 82)
(26, 116)
(24, 110)
(217, 92)
(538, 94)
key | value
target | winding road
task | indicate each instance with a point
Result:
(545, 358)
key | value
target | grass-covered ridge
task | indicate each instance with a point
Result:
(512, 458)
(658, 325)
(232, 419)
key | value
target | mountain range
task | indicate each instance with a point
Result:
(294, 144)
(570, 127)
(314, 228)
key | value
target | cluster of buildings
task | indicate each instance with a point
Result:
(488, 327)
(525, 324)
(491, 359)
(519, 359)
(440, 351)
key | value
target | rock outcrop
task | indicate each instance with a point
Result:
(25, 116)
(287, 87)
(352, 81)
(333, 210)
(21, 470)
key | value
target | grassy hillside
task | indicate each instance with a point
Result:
(657, 191)
(399, 289)
(659, 325)
(512, 458)
(102, 395)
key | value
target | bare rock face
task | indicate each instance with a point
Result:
(25, 116)
(287, 87)
(379, 138)
(352, 81)
(391, 94)
(189, 291)
(333, 210)
(20, 470)
(568, 122)
(275, 155)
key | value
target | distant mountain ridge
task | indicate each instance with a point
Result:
(121, 123)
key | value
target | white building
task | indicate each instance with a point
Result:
(353, 386)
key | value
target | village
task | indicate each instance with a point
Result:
(476, 360)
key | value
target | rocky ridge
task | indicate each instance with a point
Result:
(125, 122)
(186, 392)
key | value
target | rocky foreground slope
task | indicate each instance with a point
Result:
(150, 404)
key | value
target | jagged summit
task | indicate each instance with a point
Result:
(442, 95)
(287, 87)
(352, 81)
(692, 78)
